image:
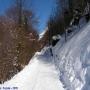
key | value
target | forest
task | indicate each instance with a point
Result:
(19, 38)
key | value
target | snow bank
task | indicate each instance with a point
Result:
(73, 61)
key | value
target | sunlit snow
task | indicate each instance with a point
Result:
(39, 74)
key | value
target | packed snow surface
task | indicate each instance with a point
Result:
(39, 74)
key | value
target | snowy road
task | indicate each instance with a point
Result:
(39, 74)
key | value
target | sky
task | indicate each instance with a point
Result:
(41, 8)
(4, 4)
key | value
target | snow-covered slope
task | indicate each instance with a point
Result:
(73, 60)
(42, 33)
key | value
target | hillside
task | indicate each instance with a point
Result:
(68, 69)
(72, 59)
